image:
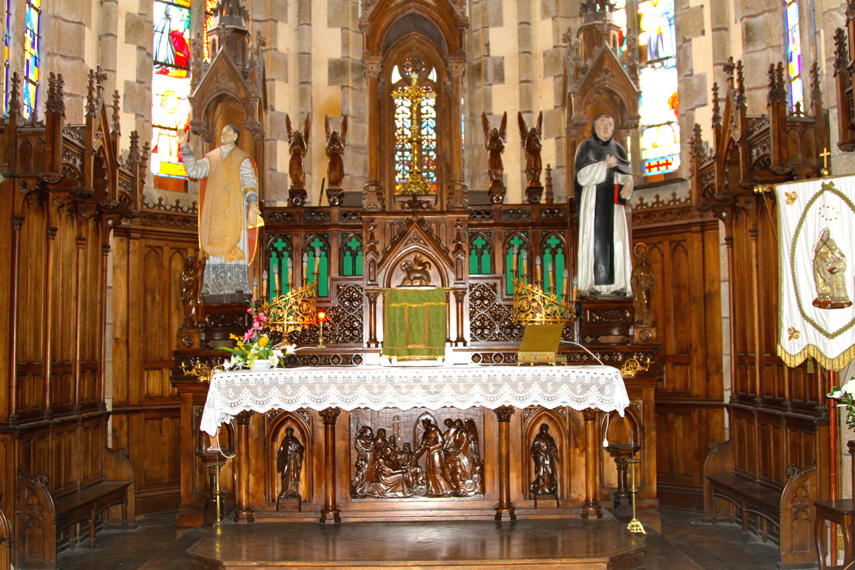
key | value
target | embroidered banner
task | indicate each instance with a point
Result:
(816, 238)
(414, 324)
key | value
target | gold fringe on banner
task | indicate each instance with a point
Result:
(811, 351)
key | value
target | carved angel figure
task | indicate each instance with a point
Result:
(531, 142)
(298, 144)
(335, 148)
(495, 140)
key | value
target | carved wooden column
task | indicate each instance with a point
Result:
(330, 509)
(591, 508)
(459, 297)
(49, 301)
(243, 513)
(372, 319)
(371, 65)
(504, 415)
(457, 193)
(17, 224)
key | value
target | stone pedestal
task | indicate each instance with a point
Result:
(297, 197)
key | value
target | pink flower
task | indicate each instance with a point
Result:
(248, 335)
(249, 310)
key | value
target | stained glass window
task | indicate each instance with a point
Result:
(619, 18)
(794, 53)
(32, 61)
(660, 129)
(480, 254)
(7, 41)
(209, 17)
(351, 257)
(406, 131)
(170, 91)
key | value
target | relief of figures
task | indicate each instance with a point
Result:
(452, 466)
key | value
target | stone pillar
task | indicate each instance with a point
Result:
(371, 66)
(457, 188)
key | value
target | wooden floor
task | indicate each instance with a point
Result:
(473, 545)
(685, 543)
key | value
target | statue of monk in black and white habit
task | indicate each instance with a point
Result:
(603, 186)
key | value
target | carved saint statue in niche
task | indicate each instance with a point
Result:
(495, 139)
(829, 273)
(289, 463)
(544, 452)
(298, 145)
(642, 281)
(532, 143)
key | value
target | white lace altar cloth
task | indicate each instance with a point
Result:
(375, 387)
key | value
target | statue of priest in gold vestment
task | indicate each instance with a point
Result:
(228, 212)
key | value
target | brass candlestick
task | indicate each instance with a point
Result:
(635, 524)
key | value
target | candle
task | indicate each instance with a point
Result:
(566, 276)
(305, 263)
(551, 276)
(276, 282)
(290, 272)
(539, 272)
(317, 258)
(525, 263)
(255, 288)
(264, 283)
(515, 259)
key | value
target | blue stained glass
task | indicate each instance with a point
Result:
(32, 20)
(794, 53)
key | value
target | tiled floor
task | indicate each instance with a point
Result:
(685, 543)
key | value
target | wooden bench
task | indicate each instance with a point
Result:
(781, 514)
(42, 521)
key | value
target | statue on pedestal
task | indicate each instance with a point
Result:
(336, 139)
(298, 145)
(495, 139)
(603, 185)
(289, 463)
(544, 452)
(532, 143)
(228, 211)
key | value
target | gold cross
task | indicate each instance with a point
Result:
(825, 154)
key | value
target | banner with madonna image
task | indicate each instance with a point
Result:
(816, 237)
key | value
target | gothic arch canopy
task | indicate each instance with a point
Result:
(386, 21)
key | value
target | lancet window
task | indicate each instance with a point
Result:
(414, 89)
(659, 105)
(170, 88)
(480, 254)
(794, 54)
(32, 61)
(351, 256)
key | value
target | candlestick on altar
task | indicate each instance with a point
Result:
(551, 277)
(317, 259)
(564, 288)
(515, 250)
(276, 283)
(539, 271)
(305, 265)
(254, 288)
(264, 284)
(525, 264)
(290, 273)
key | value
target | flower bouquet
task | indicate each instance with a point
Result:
(846, 396)
(254, 350)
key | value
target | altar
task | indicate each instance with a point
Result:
(329, 410)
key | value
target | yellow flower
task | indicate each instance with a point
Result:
(234, 337)
(262, 342)
(239, 343)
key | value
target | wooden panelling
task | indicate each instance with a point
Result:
(687, 311)
(147, 314)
